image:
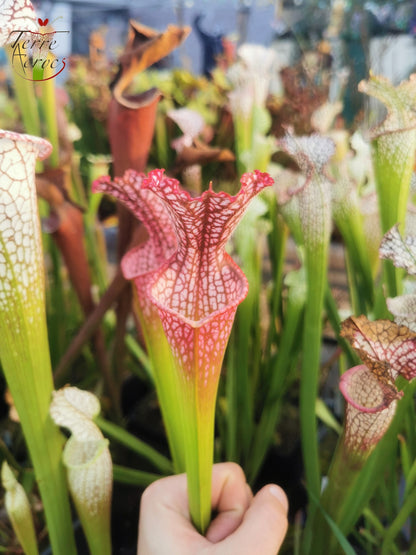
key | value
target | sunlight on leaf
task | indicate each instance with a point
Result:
(402, 252)
(323, 412)
(190, 122)
(399, 100)
(323, 117)
(403, 309)
(310, 152)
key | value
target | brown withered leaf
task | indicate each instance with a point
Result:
(50, 185)
(145, 46)
(65, 223)
(200, 153)
(386, 348)
(130, 133)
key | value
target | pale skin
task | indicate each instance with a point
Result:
(244, 524)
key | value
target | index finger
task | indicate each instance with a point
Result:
(231, 497)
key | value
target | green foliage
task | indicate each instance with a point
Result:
(275, 366)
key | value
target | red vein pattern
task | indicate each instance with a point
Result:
(197, 286)
(367, 414)
(386, 348)
(16, 15)
(151, 212)
(198, 290)
(20, 242)
(402, 252)
(140, 262)
(306, 203)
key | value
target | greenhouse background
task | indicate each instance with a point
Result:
(207, 268)
(379, 34)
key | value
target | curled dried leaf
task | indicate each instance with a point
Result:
(200, 154)
(145, 47)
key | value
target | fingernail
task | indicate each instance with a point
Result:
(280, 496)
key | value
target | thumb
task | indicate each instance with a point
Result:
(264, 524)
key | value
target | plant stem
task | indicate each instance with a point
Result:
(316, 263)
(243, 136)
(198, 422)
(49, 110)
(285, 361)
(91, 323)
(134, 477)
(244, 345)
(351, 486)
(393, 530)
(24, 352)
(26, 98)
(231, 397)
(277, 248)
(165, 379)
(393, 162)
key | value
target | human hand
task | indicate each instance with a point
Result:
(244, 525)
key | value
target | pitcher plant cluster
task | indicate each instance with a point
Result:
(216, 298)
